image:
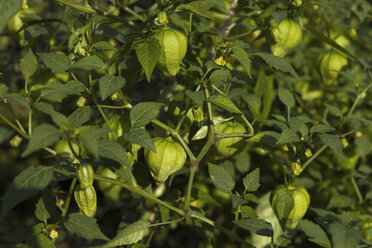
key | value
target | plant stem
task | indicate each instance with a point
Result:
(314, 156)
(68, 198)
(168, 222)
(356, 188)
(140, 192)
(193, 167)
(361, 95)
(11, 124)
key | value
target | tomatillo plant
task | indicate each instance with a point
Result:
(170, 123)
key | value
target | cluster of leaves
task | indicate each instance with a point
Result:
(69, 70)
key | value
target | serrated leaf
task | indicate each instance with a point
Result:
(84, 226)
(268, 137)
(28, 183)
(45, 206)
(130, 235)
(243, 58)
(286, 97)
(257, 226)
(141, 137)
(57, 91)
(42, 136)
(58, 118)
(112, 150)
(143, 113)
(224, 102)
(89, 63)
(8, 8)
(109, 84)
(252, 180)
(17, 98)
(80, 116)
(237, 201)
(344, 236)
(198, 7)
(315, 233)
(58, 63)
(148, 53)
(28, 64)
(333, 142)
(196, 96)
(321, 128)
(288, 136)
(297, 124)
(278, 63)
(221, 178)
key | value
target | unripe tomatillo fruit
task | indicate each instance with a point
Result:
(227, 147)
(62, 146)
(301, 202)
(173, 49)
(168, 158)
(331, 63)
(86, 200)
(287, 34)
(85, 175)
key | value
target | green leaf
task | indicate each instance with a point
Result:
(278, 63)
(58, 63)
(298, 125)
(109, 84)
(140, 137)
(343, 236)
(130, 235)
(8, 8)
(334, 110)
(57, 91)
(198, 7)
(243, 58)
(257, 226)
(3, 90)
(264, 89)
(84, 226)
(28, 183)
(196, 96)
(89, 63)
(321, 128)
(148, 53)
(224, 102)
(266, 137)
(38, 238)
(28, 64)
(254, 104)
(58, 118)
(333, 142)
(252, 180)
(80, 116)
(112, 150)
(286, 97)
(42, 136)
(143, 113)
(45, 206)
(17, 98)
(288, 136)
(89, 141)
(315, 233)
(221, 178)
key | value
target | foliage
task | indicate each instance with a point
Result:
(257, 95)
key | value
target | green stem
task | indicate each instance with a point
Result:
(314, 156)
(68, 198)
(168, 222)
(11, 124)
(112, 107)
(193, 169)
(140, 192)
(356, 188)
(361, 95)
(134, 14)
(249, 125)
